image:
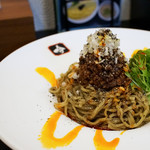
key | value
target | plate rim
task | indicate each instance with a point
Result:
(7, 57)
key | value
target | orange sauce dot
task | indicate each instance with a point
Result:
(48, 75)
(122, 132)
(47, 135)
(101, 144)
(134, 52)
(124, 54)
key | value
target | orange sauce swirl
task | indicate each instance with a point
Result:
(47, 135)
(101, 144)
(48, 75)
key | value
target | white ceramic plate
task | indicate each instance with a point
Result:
(25, 100)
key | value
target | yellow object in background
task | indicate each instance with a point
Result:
(81, 10)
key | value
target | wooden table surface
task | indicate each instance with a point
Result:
(16, 25)
(15, 33)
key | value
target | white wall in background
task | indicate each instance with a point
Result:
(43, 14)
(125, 10)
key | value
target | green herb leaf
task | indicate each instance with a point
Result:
(139, 70)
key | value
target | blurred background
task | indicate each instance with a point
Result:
(23, 21)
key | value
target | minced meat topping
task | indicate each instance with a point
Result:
(101, 63)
